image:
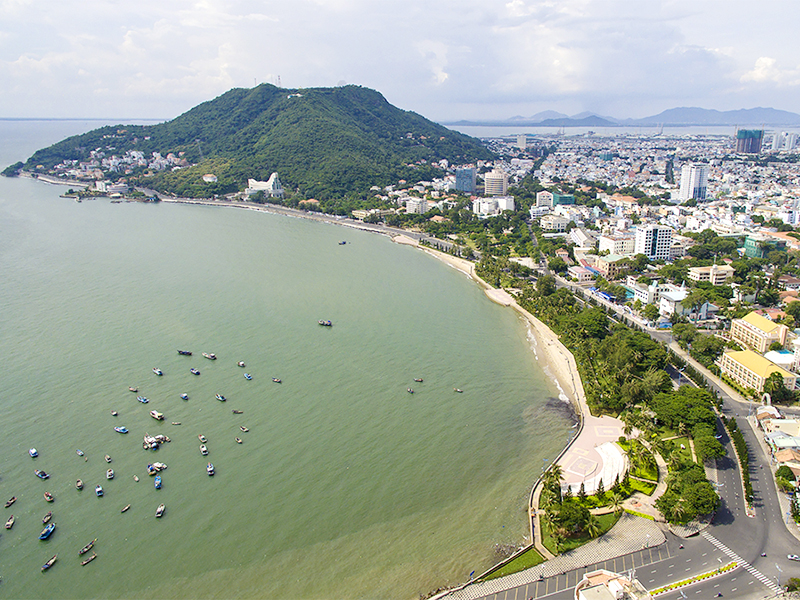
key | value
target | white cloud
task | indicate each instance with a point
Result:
(766, 70)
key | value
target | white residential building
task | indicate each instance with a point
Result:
(504, 203)
(553, 223)
(544, 198)
(694, 182)
(272, 187)
(616, 244)
(416, 206)
(495, 183)
(485, 207)
(654, 241)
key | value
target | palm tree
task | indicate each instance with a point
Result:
(592, 526)
(615, 502)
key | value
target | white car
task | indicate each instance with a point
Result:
(793, 557)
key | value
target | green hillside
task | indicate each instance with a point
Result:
(323, 142)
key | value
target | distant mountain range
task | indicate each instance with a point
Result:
(745, 117)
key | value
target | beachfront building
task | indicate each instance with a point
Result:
(671, 302)
(751, 370)
(757, 332)
(272, 188)
(417, 206)
(713, 274)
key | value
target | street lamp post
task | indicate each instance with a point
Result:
(779, 575)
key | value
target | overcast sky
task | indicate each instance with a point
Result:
(445, 59)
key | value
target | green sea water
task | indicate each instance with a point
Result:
(345, 485)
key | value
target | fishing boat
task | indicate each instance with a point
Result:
(248, 376)
(457, 390)
(243, 428)
(220, 397)
(41, 474)
(160, 510)
(121, 429)
(159, 466)
(176, 422)
(210, 355)
(158, 371)
(151, 470)
(203, 450)
(79, 484)
(156, 415)
(47, 517)
(342, 243)
(202, 438)
(241, 363)
(238, 440)
(33, 452)
(237, 412)
(125, 508)
(79, 452)
(88, 560)
(409, 390)
(133, 388)
(194, 371)
(142, 399)
(108, 458)
(136, 478)
(48, 497)
(276, 380)
(184, 396)
(114, 413)
(87, 547)
(47, 531)
(210, 469)
(418, 379)
(157, 482)
(325, 323)
(10, 502)
(10, 522)
(185, 352)
(110, 474)
(98, 489)
(49, 563)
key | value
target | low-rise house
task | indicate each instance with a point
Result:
(713, 274)
(611, 266)
(582, 274)
(779, 440)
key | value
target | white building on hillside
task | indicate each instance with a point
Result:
(272, 187)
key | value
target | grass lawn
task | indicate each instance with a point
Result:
(606, 522)
(529, 558)
(686, 452)
(650, 473)
(641, 486)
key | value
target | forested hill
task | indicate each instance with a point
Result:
(324, 142)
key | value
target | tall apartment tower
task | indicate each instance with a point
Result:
(522, 141)
(495, 183)
(777, 141)
(748, 141)
(654, 241)
(694, 182)
(465, 180)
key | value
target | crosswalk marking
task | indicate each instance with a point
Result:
(743, 563)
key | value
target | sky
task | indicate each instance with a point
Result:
(444, 59)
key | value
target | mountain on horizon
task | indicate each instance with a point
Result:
(325, 143)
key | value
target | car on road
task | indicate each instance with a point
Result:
(793, 557)
(718, 436)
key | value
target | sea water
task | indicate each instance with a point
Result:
(345, 485)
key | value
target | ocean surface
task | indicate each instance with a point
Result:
(345, 485)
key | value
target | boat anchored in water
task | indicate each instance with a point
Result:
(108, 458)
(79, 484)
(41, 474)
(80, 452)
(202, 438)
(157, 482)
(241, 363)
(88, 560)
(160, 511)
(276, 380)
(33, 452)
(47, 531)
(156, 415)
(11, 501)
(185, 352)
(210, 355)
(210, 469)
(133, 388)
(47, 517)
(220, 397)
(243, 428)
(110, 474)
(325, 323)
(87, 547)
(237, 412)
(10, 522)
(194, 371)
(48, 497)
(248, 376)
(203, 450)
(98, 489)
(238, 440)
(184, 396)
(158, 371)
(121, 429)
(125, 508)
(142, 399)
(50, 563)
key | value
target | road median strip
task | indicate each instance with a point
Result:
(696, 579)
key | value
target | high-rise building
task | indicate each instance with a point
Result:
(777, 141)
(522, 141)
(748, 141)
(544, 198)
(495, 183)
(790, 139)
(465, 180)
(654, 241)
(694, 182)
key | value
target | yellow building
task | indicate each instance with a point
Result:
(714, 274)
(751, 370)
(757, 332)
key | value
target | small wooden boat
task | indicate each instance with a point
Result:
(276, 380)
(47, 531)
(160, 510)
(136, 478)
(142, 399)
(176, 422)
(158, 371)
(47, 517)
(110, 474)
(202, 438)
(210, 355)
(185, 352)
(194, 371)
(203, 450)
(49, 563)
(87, 547)
(133, 389)
(220, 397)
(238, 440)
(157, 482)
(121, 429)
(248, 376)
(243, 428)
(325, 323)
(157, 415)
(409, 390)
(41, 474)
(241, 363)
(114, 413)
(457, 390)
(418, 379)
(342, 243)
(80, 452)
(98, 489)
(238, 412)
(10, 522)
(33, 452)
(184, 396)
(48, 497)
(210, 469)
(88, 560)
(125, 508)
(79, 484)
(108, 458)
(11, 501)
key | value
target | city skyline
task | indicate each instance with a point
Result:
(471, 60)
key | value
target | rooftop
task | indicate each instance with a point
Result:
(760, 322)
(757, 363)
